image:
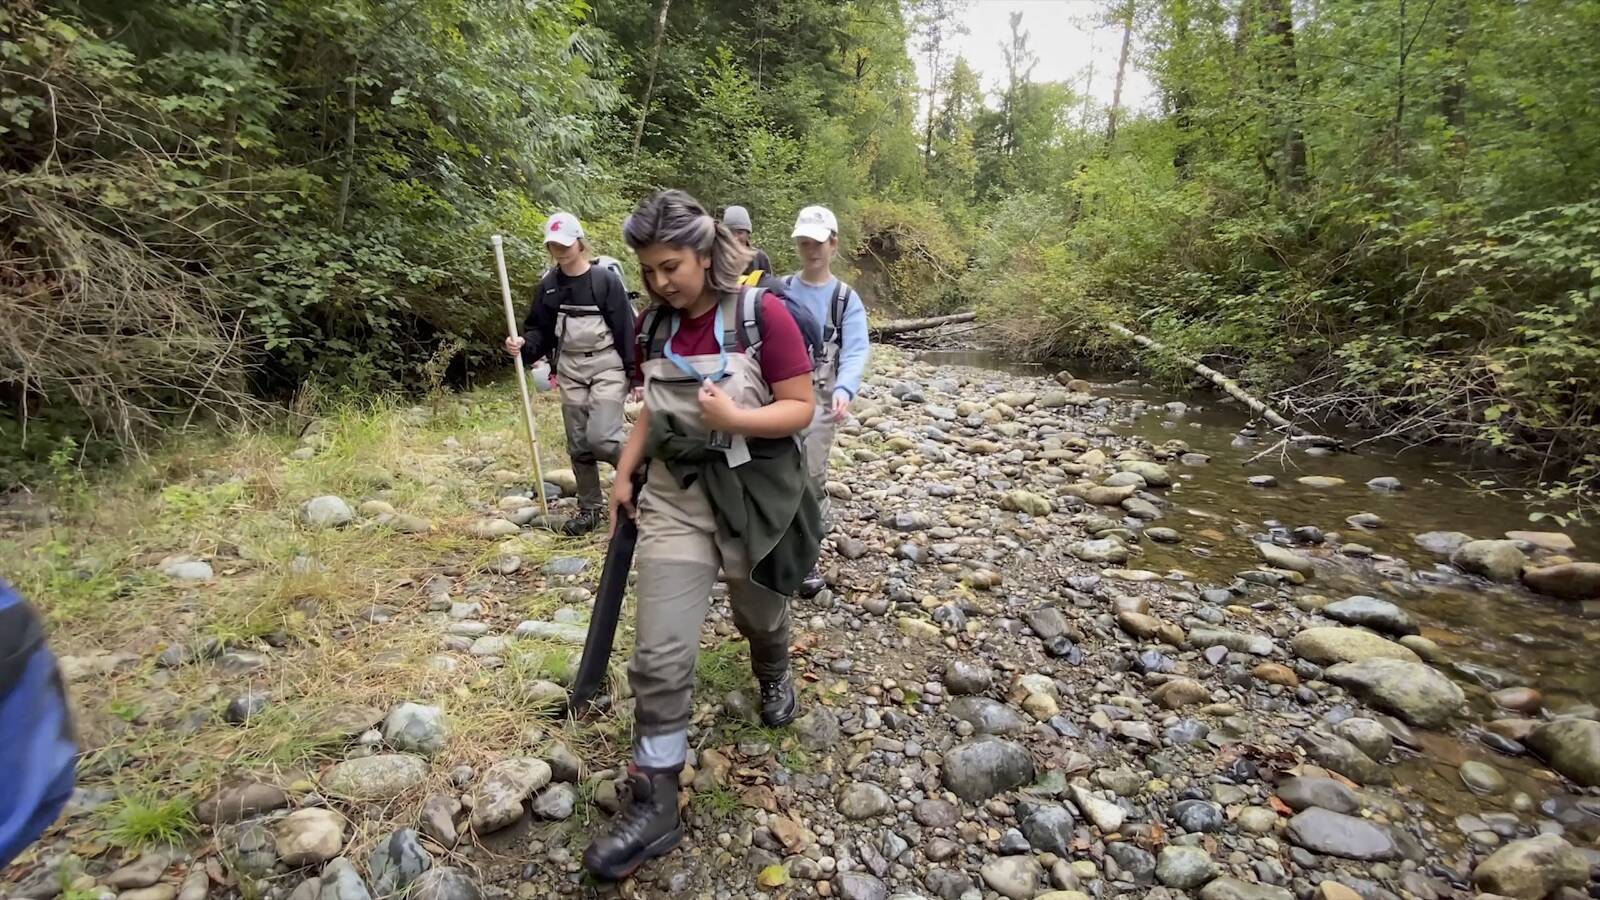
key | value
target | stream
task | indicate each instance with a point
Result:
(1493, 636)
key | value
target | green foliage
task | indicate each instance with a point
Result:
(145, 819)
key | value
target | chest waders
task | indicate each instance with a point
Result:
(593, 388)
(819, 435)
(679, 554)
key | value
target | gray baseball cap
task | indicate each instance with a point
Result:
(737, 218)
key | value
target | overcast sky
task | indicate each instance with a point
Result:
(1064, 36)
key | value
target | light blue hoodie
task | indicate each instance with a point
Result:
(852, 331)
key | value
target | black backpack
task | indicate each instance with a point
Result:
(748, 330)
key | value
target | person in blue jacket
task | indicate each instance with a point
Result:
(38, 751)
(837, 377)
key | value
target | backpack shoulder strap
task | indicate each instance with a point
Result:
(841, 303)
(652, 338)
(742, 330)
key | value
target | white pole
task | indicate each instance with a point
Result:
(522, 374)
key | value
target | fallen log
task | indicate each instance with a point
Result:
(904, 326)
(1230, 387)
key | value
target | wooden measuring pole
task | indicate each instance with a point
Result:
(522, 373)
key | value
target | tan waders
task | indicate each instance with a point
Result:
(593, 387)
(680, 552)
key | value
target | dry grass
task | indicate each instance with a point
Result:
(94, 573)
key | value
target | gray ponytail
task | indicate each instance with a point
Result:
(678, 220)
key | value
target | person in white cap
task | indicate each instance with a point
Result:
(737, 218)
(845, 348)
(583, 322)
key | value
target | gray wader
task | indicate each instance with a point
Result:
(593, 388)
(819, 435)
(679, 555)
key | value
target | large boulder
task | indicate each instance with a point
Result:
(1370, 612)
(1326, 646)
(1571, 746)
(1284, 558)
(1441, 543)
(1495, 560)
(1569, 581)
(986, 766)
(1416, 693)
(1532, 869)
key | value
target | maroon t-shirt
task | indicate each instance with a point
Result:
(784, 354)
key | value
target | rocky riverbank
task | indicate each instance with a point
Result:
(1005, 699)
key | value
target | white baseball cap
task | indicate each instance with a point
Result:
(816, 223)
(563, 229)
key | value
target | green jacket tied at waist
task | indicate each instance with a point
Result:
(768, 503)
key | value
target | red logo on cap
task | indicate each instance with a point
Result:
(556, 225)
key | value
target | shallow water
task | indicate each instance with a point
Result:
(1493, 636)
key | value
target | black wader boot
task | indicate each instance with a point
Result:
(646, 827)
(779, 705)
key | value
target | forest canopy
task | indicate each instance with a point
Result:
(1385, 211)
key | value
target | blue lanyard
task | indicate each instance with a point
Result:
(684, 365)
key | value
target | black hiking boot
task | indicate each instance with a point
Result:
(778, 702)
(812, 584)
(584, 522)
(645, 828)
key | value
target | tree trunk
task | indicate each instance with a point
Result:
(1453, 99)
(1397, 128)
(650, 80)
(1182, 96)
(231, 129)
(933, 99)
(1226, 385)
(349, 157)
(903, 326)
(1122, 72)
(1292, 147)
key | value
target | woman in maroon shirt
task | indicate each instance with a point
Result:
(727, 386)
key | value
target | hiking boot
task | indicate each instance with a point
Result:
(778, 702)
(584, 522)
(645, 828)
(812, 584)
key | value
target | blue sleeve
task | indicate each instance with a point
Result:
(856, 350)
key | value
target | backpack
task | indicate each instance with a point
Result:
(39, 753)
(833, 330)
(605, 263)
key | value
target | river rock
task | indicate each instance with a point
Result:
(1320, 481)
(1326, 646)
(240, 800)
(1370, 737)
(493, 528)
(1102, 550)
(382, 777)
(497, 800)
(1180, 692)
(341, 881)
(188, 570)
(1048, 828)
(1495, 560)
(1571, 746)
(437, 819)
(416, 728)
(326, 511)
(556, 802)
(818, 729)
(1335, 834)
(1385, 483)
(963, 677)
(1106, 816)
(398, 860)
(1553, 541)
(1234, 889)
(1284, 558)
(988, 716)
(1532, 869)
(1569, 581)
(1023, 501)
(1415, 692)
(1441, 543)
(309, 836)
(445, 883)
(1014, 877)
(1154, 474)
(142, 872)
(859, 886)
(1482, 778)
(984, 767)
(863, 800)
(1184, 867)
(1379, 615)
(1237, 641)
(1340, 755)
(1307, 792)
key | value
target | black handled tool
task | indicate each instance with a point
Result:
(608, 603)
